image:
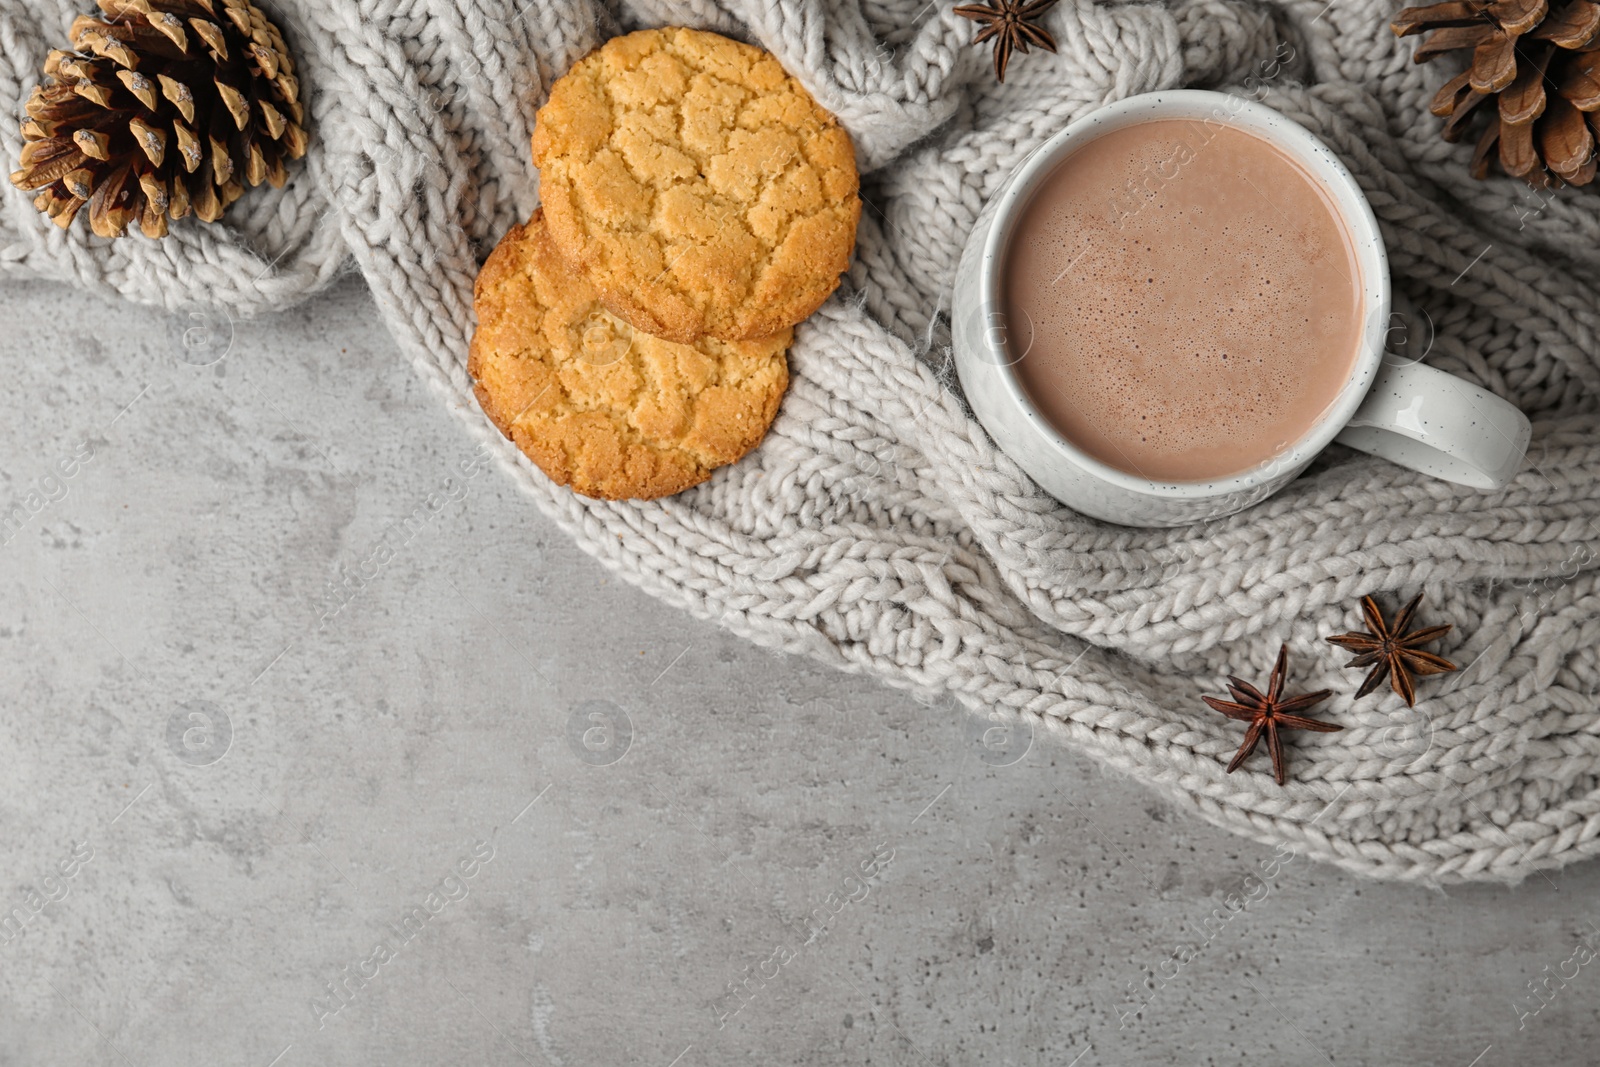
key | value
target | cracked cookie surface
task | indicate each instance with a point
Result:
(601, 407)
(697, 185)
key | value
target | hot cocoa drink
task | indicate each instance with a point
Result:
(1181, 300)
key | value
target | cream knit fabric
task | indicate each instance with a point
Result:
(877, 528)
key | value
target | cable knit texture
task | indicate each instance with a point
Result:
(878, 528)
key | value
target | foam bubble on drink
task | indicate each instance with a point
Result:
(1183, 300)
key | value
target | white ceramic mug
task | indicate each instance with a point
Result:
(1392, 407)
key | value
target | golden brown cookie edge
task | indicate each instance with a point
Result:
(686, 328)
(501, 268)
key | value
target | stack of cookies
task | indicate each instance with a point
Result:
(696, 205)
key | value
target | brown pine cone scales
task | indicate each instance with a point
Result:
(1536, 65)
(162, 108)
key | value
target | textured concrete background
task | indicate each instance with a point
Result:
(488, 805)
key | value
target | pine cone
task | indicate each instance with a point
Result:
(166, 107)
(1521, 49)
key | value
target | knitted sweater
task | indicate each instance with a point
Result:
(878, 528)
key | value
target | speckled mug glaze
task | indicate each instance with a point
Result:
(1395, 408)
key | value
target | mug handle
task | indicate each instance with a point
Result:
(1433, 422)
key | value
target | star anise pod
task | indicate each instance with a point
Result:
(1391, 652)
(1268, 713)
(1010, 24)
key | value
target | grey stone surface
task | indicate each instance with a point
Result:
(226, 787)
